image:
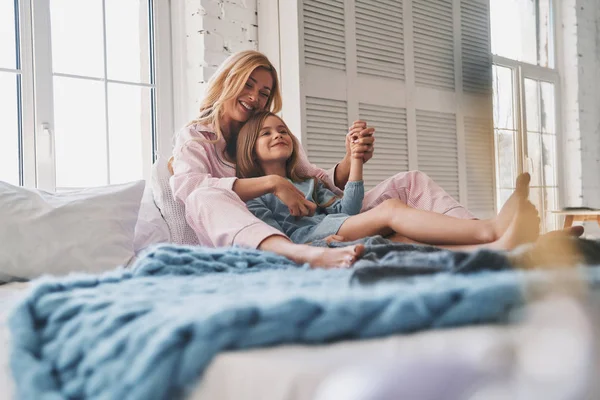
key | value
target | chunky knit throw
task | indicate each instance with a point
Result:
(149, 332)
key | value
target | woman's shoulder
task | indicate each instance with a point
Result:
(195, 135)
(197, 131)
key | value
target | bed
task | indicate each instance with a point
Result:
(476, 352)
(283, 369)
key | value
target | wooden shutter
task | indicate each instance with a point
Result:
(391, 143)
(324, 33)
(480, 166)
(380, 38)
(419, 71)
(326, 122)
(438, 149)
(434, 43)
(476, 50)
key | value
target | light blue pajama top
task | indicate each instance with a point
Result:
(331, 212)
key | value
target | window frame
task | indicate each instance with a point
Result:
(520, 71)
(38, 163)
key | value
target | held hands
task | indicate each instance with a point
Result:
(360, 140)
(293, 198)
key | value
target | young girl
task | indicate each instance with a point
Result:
(266, 147)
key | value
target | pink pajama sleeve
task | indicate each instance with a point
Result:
(212, 209)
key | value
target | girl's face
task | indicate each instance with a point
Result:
(274, 143)
(253, 97)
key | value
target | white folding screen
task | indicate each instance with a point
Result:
(419, 71)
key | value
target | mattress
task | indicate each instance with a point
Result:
(297, 371)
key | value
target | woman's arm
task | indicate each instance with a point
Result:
(250, 188)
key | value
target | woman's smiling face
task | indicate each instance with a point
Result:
(254, 96)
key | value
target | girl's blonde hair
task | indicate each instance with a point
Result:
(247, 165)
(228, 82)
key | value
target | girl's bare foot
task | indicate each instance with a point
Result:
(506, 215)
(524, 228)
(321, 257)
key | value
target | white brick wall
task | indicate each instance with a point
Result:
(580, 68)
(205, 33)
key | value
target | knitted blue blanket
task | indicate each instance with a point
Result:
(149, 332)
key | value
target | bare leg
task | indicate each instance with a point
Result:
(524, 228)
(315, 256)
(423, 226)
(508, 211)
(430, 227)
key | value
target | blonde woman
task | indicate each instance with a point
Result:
(204, 170)
(203, 167)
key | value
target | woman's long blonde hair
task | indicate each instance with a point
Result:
(247, 166)
(228, 82)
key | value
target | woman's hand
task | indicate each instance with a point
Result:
(292, 197)
(360, 141)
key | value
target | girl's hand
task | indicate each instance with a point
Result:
(293, 198)
(361, 135)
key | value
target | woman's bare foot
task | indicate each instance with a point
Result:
(321, 257)
(506, 215)
(524, 228)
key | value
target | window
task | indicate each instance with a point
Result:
(101, 95)
(525, 101)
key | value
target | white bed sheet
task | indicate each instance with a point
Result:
(295, 372)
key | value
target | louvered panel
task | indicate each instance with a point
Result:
(326, 128)
(324, 34)
(380, 38)
(434, 43)
(479, 142)
(476, 52)
(391, 136)
(437, 149)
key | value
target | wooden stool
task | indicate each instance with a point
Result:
(578, 215)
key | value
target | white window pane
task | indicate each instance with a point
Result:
(130, 131)
(548, 107)
(506, 158)
(551, 204)
(532, 105)
(7, 34)
(503, 195)
(9, 129)
(80, 133)
(534, 162)
(514, 29)
(128, 40)
(536, 197)
(503, 98)
(549, 159)
(77, 44)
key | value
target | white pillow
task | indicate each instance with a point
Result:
(88, 230)
(151, 228)
(172, 211)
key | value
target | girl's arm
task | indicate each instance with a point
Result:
(354, 191)
(350, 203)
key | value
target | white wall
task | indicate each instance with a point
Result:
(205, 32)
(580, 71)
